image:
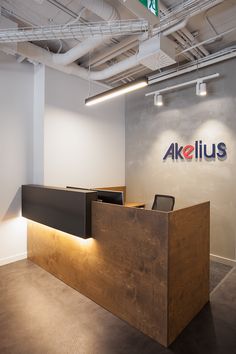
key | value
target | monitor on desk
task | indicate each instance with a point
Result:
(106, 196)
(109, 196)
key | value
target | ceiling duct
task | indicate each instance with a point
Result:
(218, 57)
(187, 9)
(102, 9)
(157, 52)
(153, 53)
(147, 50)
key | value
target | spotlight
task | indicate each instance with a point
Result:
(158, 100)
(201, 89)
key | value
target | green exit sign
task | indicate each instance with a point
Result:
(151, 5)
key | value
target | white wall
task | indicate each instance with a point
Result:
(38, 124)
(48, 136)
(83, 146)
(16, 102)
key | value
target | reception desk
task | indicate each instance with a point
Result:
(149, 268)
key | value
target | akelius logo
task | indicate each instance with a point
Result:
(196, 151)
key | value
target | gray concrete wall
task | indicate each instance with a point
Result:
(185, 118)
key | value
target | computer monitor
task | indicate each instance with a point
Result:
(108, 196)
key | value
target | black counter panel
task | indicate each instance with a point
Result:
(68, 210)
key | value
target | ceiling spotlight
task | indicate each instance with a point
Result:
(201, 89)
(158, 100)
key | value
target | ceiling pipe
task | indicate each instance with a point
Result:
(38, 54)
(120, 66)
(194, 52)
(111, 52)
(123, 77)
(123, 51)
(108, 13)
(108, 72)
(78, 51)
(100, 8)
(176, 27)
(212, 59)
(181, 24)
(185, 30)
(197, 53)
(209, 40)
(192, 39)
(183, 44)
(183, 10)
(177, 35)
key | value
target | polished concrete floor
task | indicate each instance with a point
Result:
(217, 272)
(41, 315)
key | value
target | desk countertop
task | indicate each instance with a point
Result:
(135, 205)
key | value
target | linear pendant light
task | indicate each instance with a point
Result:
(117, 91)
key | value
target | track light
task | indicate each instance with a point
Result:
(117, 91)
(201, 89)
(158, 100)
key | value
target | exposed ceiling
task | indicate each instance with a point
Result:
(179, 22)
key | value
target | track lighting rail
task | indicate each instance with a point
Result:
(183, 84)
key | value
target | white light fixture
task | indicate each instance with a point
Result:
(117, 91)
(158, 100)
(201, 89)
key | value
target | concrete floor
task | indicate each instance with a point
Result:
(41, 315)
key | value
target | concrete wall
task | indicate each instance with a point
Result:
(16, 102)
(185, 118)
(83, 146)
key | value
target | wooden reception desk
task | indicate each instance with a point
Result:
(149, 268)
